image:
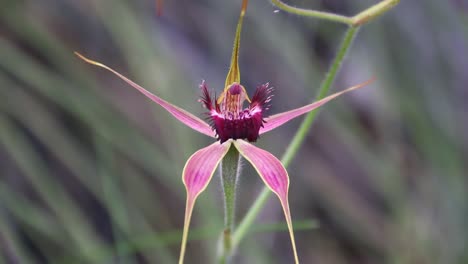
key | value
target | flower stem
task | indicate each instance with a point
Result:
(300, 135)
(229, 172)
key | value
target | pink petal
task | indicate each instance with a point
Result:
(197, 173)
(201, 166)
(277, 120)
(273, 174)
(181, 114)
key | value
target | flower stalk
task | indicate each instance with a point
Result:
(229, 172)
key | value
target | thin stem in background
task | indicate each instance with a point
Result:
(372, 12)
(358, 20)
(299, 137)
(312, 13)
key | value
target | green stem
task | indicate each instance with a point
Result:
(229, 172)
(322, 93)
(372, 12)
(360, 19)
(312, 13)
(300, 135)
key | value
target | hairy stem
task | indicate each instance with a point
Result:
(229, 172)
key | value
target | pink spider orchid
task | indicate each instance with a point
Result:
(233, 126)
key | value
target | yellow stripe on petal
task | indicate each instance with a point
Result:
(196, 175)
(274, 175)
(287, 215)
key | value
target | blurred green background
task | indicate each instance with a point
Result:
(91, 169)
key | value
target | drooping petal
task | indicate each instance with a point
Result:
(277, 120)
(179, 113)
(274, 175)
(197, 173)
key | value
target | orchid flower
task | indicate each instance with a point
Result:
(234, 128)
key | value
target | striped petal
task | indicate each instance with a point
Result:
(182, 115)
(274, 175)
(277, 120)
(197, 173)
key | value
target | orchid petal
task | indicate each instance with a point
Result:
(197, 173)
(277, 120)
(233, 75)
(182, 115)
(274, 175)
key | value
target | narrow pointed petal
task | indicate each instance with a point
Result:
(277, 120)
(197, 173)
(182, 115)
(234, 73)
(275, 177)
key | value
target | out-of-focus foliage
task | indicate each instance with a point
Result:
(90, 168)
